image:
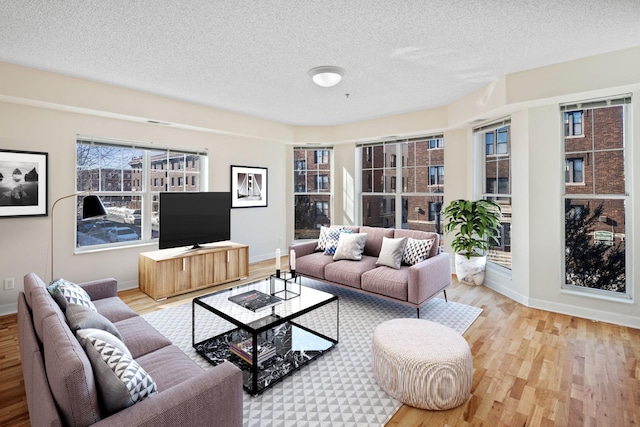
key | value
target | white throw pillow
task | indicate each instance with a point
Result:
(350, 246)
(391, 252)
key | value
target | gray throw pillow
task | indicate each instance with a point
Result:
(65, 292)
(391, 252)
(84, 334)
(81, 317)
(121, 380)
(350, 246)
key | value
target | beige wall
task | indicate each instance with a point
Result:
(43, 112)
(29, 123)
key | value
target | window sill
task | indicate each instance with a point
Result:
(598, 294)
(94, 249)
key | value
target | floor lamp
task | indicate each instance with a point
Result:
(92, 207)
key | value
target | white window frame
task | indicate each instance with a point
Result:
(625, 101)
(327, 154)
(480, 192)
(145, 193)
(397, 193)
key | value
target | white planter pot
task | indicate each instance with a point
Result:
(470, 271)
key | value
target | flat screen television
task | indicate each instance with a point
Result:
(194, 218)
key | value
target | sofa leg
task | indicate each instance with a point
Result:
(418, 312)
(445, 295)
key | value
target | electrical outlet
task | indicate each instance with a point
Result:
(9, 284)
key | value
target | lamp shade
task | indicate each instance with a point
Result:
(92, 207)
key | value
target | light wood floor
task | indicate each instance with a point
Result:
(531, 367)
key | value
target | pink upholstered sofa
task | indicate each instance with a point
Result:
(61, 384)
(411, 285)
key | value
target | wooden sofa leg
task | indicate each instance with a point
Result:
(418, 312)
(445, 295)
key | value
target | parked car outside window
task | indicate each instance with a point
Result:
(122, 234)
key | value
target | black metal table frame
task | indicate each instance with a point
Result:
(275, 321)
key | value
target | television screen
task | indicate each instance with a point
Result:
(193, 219)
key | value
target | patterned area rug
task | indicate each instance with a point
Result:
(338, 388)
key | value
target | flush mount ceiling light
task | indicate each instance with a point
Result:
(326, 76)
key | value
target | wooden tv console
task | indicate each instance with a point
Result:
(169, 272)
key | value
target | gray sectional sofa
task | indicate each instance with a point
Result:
(62, 384)
(412, 285)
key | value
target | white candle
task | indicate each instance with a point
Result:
(278, 259)
(292, 259)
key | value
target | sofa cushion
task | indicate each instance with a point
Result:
(416, 251)
(122, 382)
(350, 246)
(348, 272)
(313, 264)
(140, 337)
(81, 317)
(388, 282)
(43, 306)
(391, 252)
(157, 362)
(69, 374)
(374, 239)
(32, 283)
(114, 309)
(65, 292)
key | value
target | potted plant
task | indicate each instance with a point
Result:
(476, 225)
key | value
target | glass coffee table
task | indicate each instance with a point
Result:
(282, 337)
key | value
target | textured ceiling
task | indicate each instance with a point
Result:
(253, 56)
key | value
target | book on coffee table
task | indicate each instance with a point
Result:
(255, 300)
(244, 350)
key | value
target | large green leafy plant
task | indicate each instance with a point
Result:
(476, 224)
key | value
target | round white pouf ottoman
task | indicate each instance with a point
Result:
(422, 363)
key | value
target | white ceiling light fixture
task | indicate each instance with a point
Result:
(327, 75)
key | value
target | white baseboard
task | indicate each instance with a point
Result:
(8, 309)
(586, 313)
(569, 310)
(508, 292)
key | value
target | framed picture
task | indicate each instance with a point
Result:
(23, 183)
(249, 187)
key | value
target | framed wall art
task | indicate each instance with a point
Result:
(23, 183)
(249, 187)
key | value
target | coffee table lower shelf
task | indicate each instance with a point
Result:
(295, 346)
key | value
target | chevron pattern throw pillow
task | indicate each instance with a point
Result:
(64, 291)
(121, 380)
(416, 251)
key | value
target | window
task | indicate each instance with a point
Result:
(312, 191)
(421, 176)
(322, 182)
(321, 156)
(436, 175)
(573, 123)
(128, 178)
(573, 171)
(496, 168)
(596, 227)
(436, 143)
